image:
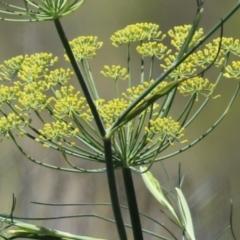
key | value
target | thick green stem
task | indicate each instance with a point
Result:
(79, 75)
(132, 204)
(113, 190)
(107, 142)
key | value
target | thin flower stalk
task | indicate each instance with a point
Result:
(91, 82)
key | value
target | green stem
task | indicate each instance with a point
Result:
(190, 35)
(117, 88)
(128, 66)
(107, 142)
(113, 189)
(132, 204)
(79, 75)
(151, 67)
(89, 76)
(142, 69)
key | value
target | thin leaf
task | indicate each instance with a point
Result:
(153, 186)
(186, 215)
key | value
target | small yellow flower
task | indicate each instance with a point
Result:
(84, 47)
(61, 76)
(56, 132)
(68, 103)
(111, 110)
(32, 97)
(7, 94)
(42, 60)
(30, 74)
(184, 70)
(207, 56)
(10, 68)
(164, 129)
(228, 45)
(196, 85)
(151, 49)
(179, 33)
(233, 70)
(27, 68)
(115, 72)
(136, 32)
(134, 92)
(10, 122)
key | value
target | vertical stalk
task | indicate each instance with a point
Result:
(113, 190)
(132, 204)
(128, 66)
(107, 142)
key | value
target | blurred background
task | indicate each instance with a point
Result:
(211, 167)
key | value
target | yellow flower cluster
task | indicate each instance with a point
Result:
(205, 57)
(68, 103)
(136, 32)
(166, 129)
(41, 60)
(11, 122)
(10, 68)
(29, 74)
(179, 33)
(134, 92)
(196, 85)
(233, 70)
(115, 72)
(27, 68)
(7, 94)
(33, 78)
(84, 47)
(36, 66)
(56, 132)
(111, 110)
(32, 97)
(61, 76)
(184, 70)
(151, 49)
(228, 45)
